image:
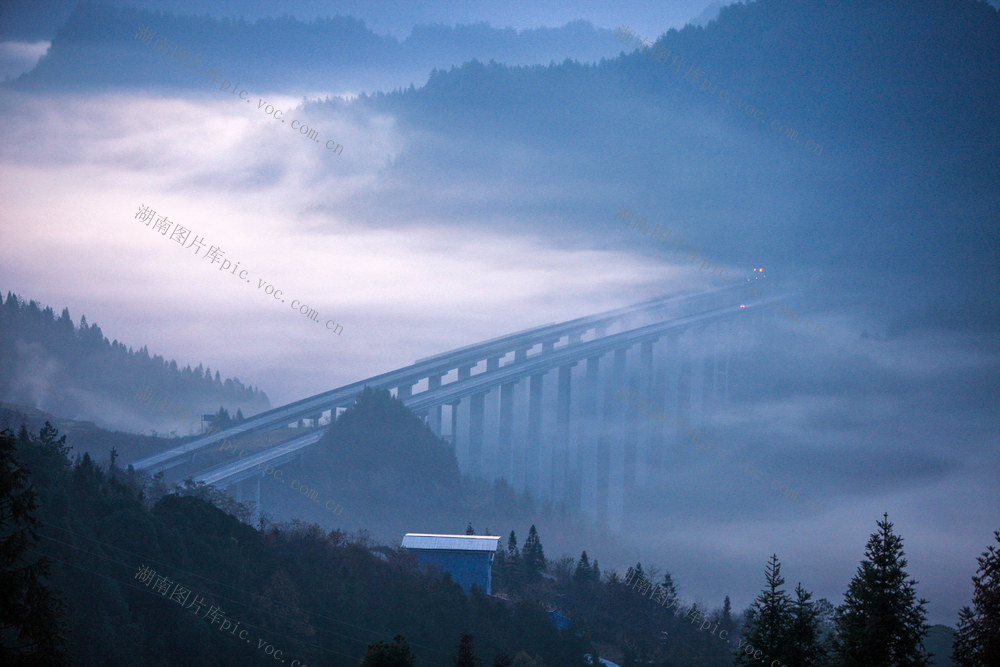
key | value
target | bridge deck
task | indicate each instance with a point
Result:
(461, 388)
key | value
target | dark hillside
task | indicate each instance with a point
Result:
(75, 372)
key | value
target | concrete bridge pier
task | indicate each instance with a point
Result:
(460, 424)
(637, 465)
(459, 442)
(587, 438)
(532, 458)
(490, 466)
(655, 432)
(241, 495)
(256, 496)
(477, 410)
(505, 433)
(434, 412)
(491, 434)
(561, 454)
(614, 442)
(699, 370)
(672, 370)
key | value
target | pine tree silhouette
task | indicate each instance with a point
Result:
(768, 619)
(977, 643)
(882, 623)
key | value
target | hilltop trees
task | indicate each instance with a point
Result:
(881, 621)
(222, 419)
(409, 458)
(977, 643)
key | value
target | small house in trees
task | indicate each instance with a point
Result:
(467, 558)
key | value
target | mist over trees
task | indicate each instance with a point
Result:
(285, 53)
(50, 363)
(638, 618)
(926, 116)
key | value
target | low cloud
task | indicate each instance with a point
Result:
(16, 57)
(412, 260)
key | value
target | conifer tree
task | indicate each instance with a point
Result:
(512, 553)
(636, 579)
(768, 619)
(512, 565)
(532, 555)
(726, 621)
(881, 623)
(582, 570)
(384, 654)
(466, 657)
(582, 573)
(977, 642)
(29, 614)
(668, 589)
(805, 646)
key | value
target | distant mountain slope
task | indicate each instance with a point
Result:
(709, 14)
(902, 96)
(97, 47)
(76, 373)
(939, 642)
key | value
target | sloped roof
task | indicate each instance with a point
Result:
(450, 542)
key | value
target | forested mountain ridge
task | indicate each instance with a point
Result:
(886, 51)
(283, 54)
(128, 562)
(75, 372)
(320, 597)
(658, 125)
